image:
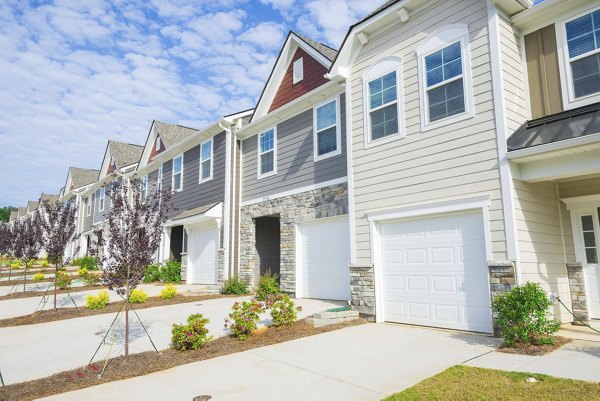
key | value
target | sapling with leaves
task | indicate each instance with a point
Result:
(28, 242)
(57, 223)
(5, 241)
(129, 239)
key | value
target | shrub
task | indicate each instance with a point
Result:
(86, 262)
(16, 265)
(152, 273)
(168, 292)
(97, 301)
(92, 278)
(38, 277)
(82, 272)
(63, 280)
(137, 296)
(242, 320)
(283, 310)
(234, 286)
(192, 335)
(267, 285)
(44, 264)
(523, 315)
(171, 272)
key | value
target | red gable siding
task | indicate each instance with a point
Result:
(313, 78)
(155, 151)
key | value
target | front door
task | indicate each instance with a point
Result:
(589, 251)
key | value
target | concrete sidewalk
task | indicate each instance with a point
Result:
(39, 350)
(364, 362)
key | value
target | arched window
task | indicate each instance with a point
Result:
(445, 87)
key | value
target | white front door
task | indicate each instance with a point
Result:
(589, 246)
(434, 272)
(203, 245)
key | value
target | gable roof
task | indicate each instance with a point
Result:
(48, 197)
(125, 154)
(21, 211)
(13, 215)
(319, 51)
(171, 134)
(32, 206)
(80, 177)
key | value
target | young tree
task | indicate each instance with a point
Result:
(57, 224)
(28, 242)
(5, 241)
(130, 238)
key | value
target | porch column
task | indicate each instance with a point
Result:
(577, 287)
(362, 290)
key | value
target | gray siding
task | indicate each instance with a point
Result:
(296, 167)
(87, 220)
(193, 194)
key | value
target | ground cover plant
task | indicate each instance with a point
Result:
(234, 286)
(192, 335)
(168, 292)
(468, 383)
(267, 285)
(138, 296)
(39, 277)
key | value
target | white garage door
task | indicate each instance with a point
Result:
(324, 255)
(435, 272)
(203, 244)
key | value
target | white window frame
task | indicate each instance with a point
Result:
(380, 68)
(564, 65)
(144, 191)
(173, 174)
(157, 143)
(210, 177)
(88, 206)
(338, 131)
(436, 41)
(101, 196)
(298, 63)
(259, 154)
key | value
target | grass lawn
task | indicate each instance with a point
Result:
(467, 383)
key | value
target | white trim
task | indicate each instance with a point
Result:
(157, 143)
(481, 203)
(506, 180)
(377, 70)
(101, 196)
(577, 202)
(295, 191)
(436, 41)
(159, 177)
(564, 64)
(514, 155)
(338, 131)
(214, 213)
(173, 174)
(88, 207)
(259, 154)
(227, 200)
(212, 146)
(350, 171)
(145, 187)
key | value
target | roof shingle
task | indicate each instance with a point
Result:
(172, 134)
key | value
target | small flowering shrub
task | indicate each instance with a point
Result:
(38, 277)
(242, 320)
(267, 285)
(168, 292)
(283, 310)
(137, 296)
(63, 280)
(97, 301)
(192, 335)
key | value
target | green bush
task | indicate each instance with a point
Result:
(168, 292)
(63, 280)
(192, 335)
(234, 286)
(171, 272)
(38, 277)
(44, 264)
(152, 273)
(86, 262)
(97, 301)
(82, 272)
(242, 320)
(15, 265)
(92, 278)
(283, 310)
(523, 315)
(267, 285)
(138, 296)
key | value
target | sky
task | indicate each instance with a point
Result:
(75, 74)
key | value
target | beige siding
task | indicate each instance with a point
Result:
(459, 160)
(541, 243)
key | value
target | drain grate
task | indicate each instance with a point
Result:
(202, 398)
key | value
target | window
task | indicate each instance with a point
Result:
(159, 178)
(445, 77)
(177, 181)
(157, 143)
(383, 106)
(206, 157)
(88, 207)
(583, 54)
(327, 135)
(144, 188)
(298, 70)
(101, 199)
(589, 239)
(184, 245)
(267, 158)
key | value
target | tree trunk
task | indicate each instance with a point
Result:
(25, 278)
(9, 268)
(127, 317)
(55, 284)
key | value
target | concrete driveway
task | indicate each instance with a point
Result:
(364, 362)
(39, 350)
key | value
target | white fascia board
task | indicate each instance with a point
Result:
(573, 165)
(147, 147)
(545, 13)
(521, 155)
(215, 213)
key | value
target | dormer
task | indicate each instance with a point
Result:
(300, 68)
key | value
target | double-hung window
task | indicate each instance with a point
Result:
(267, 153)
(159, 178)
(144, 188)
(88, 207)
(177, 180)
(583, 48)
(383, 106)
(206, 158)
(327, 136)
(101, 194)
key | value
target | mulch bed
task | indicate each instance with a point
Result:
(29, 294)
(51, 315)
(149, 362)
(536, 350)
(29, 281)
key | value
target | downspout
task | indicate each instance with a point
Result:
(227, 199)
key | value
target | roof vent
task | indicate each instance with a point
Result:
(298, 70)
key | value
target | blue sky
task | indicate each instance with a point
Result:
(77, 73)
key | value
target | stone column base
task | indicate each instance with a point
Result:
(502, 280)
(184, 264)
(362, 290)
(577, 288)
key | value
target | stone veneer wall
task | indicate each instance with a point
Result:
(362, 290)
(502, 279)
(184, 265)
(311, 205)
(577, 287)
